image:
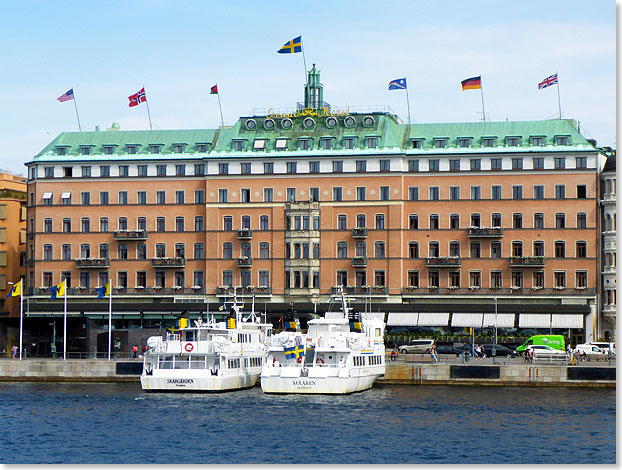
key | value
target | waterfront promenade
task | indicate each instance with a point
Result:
(406, 370)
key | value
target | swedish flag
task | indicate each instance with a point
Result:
(103, 291)
(291, 47)
(57, 290)
(294, 352)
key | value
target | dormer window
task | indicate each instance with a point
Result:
(417, 143)
(440, 143)
(60, 151)
(348, 142)
(464, 142)
(108, 149)
(281, 144)
(238, 145)
(131, 149)
(537, 141)
(372, 142)
(512, 141)
(259, 144)
(326, 143)
(202, 148)
(178, 148)
(155, 148)
(304, 144)
(488, 141)
(561, 140)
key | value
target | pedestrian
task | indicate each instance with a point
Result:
(393, 355)
(14, 352)
(144, 349)
(134, 351)
(433, 353)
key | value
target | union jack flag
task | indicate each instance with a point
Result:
(548, 81)
(138, 98)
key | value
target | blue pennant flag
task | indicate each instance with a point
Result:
(397, 84)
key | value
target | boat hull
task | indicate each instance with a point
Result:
(197, 384)
(317, 385)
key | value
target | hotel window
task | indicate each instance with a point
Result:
(202, 148)
(560, 191)
(561, 140)
(223, 168)
(264, 222)
(198, 278)
(316, 222)
(141, 197)
(337, 194)
(180, 170)
(161, 170)
(538, 248)
(160, 224)
(538, 163)
(475, 250)
(475, 279)
(560, 279)
(517, 249)
(245, 195)
(199, 196)
(161, 197)
(361, 166)
(264, 250)
(560, 220)
(141, 278)
(517, 163)
(342, 250)
(49, 171)
(155, 148)
(122, 197)
(337, 166)
(292, 167)
(538, 220)
(291, 194)
(433, 165)
(122, 223)
(537, 141)
(581, 162)
(454, 165)
(379, 279)
(108, 149)
(199, 169)
(475, 164)
(67, 171)
(314, 194)
(326, 143)
(512, 141)
(348, 143)
(517, 220)
(560, 249)
(314, 167)
(342, 222)
(379, 249)
(454, 221)
(179, 224)
(66, 252)
(124, 170)
(379, 221)
(47, 225)
(413, 249)
(433, 279)
(464, 142)
(86, 225)
(440, 143)
(560, 163)
(86, 172)
(281, 144)
(160, 278)
(538, 191)
(496, 164)
(103, 225)
(141, 223)
(360, 193)
(85, 150)
(85, 197)
(160, 250)
(581, 249)
(384, 193)
(178, 148)
(433, 221)
(304, 144)
(413, 279)
(47, 252)
(417, 143)
(372, 142)
(517, 278)
(222, 195)
(413, 166)
(454, 248)
(199, 223)
(85, 250)
(385, 165)
(454, 193)
(495, 250)
(488, 141)
(360, 220)
(66, 198)
(199, 252)
(413, 222)
(434, 193)
(268, 195)
(496, 219)
(581, 220)
(246, 222)
(476, 193)
(238, 145)
(517, 191)
(227, 250)
(496, 192)
(581, 191)
(581, 279)
(413, 193)
(103, 198)
(454, 278)
(131, 149)
(141, 251)
(495, 279)
(538, 279)
(85, 279)
(264, 278)
(268, 168)
(122, 251)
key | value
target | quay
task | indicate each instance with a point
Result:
(405, 371)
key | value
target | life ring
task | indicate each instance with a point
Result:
(319, 361)
(188, 347)
(299, 359)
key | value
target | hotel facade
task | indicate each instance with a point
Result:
(448, 225)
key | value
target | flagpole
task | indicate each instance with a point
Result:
(65, 324)
(481, 88)
(559, 102)
(76, 106)
(109, 321)
(408, 102)
(148, 113)
(304, 61)
(222, 121)
(21, 319)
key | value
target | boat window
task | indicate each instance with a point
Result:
(197, 362)
(181, 362)
(378, 333)
(165, 362)
(189, 335)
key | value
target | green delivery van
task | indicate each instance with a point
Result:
(554, 341)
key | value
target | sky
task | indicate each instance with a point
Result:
(179, 49)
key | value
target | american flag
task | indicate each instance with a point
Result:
(66, 96)
(548, 81)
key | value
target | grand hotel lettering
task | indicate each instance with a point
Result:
(320, 112)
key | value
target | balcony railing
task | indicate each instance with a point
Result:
(176, 262)
(361, 290)
(130, 234)
(359, 261)
(245, 262)
(257, 290)
(245, 234)
(443, 261)
(526, 261)
(359, 232)
(492, 291)
(485, 232)
(93, 263)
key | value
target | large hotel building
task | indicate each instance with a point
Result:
(437, 225)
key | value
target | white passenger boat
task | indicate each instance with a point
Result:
(337, 355)
(209, 356)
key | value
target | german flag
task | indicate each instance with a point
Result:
(473, 83)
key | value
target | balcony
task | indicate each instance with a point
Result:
(485, 232)
(93, 263)
(443, 261)
(360, 290)
(490, 292)
(176, 262)
(527, 261)
(245, 262)
(359, 232)
(127, 235)
(241, 291)
(245, 234)
(359, 262)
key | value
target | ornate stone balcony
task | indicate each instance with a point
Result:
(359, 262)
(127, 235)
(359, 232)
(245, 234)
(527, 261)
(245, 262)
(485, 232)
(443, 261)
(93, 263)
(176, 262)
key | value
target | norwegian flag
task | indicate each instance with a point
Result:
(548, 81)
(138, 98)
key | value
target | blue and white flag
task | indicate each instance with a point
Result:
(397, 84)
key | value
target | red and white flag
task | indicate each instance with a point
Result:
(138, 98)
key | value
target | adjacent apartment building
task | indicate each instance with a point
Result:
(435, 224)
(608, 205)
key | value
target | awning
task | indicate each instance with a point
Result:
(402, 319)
(467, 319)
(567, 321)
(504, 320)
(534, 320)
(47, 195)
(433, 319)
(66, 195)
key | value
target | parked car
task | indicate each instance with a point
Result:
(500, 351)
(605, 346)
(442, 349)
(417, 346)
(543, 350)
(591, 350)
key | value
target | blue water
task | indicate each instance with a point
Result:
(120, 424)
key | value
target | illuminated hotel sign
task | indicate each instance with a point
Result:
(321, 112)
